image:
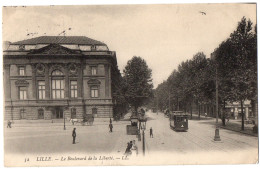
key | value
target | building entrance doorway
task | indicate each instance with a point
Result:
(40, 114)
(57, 113)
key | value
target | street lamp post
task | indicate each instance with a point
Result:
(217, 137)
(216, 95)
(143, 127)
(64, 122)
(64, 115)
(143, 143)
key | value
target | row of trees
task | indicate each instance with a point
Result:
(233, 64)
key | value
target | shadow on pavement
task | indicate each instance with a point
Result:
(201, 118)
(232, 126)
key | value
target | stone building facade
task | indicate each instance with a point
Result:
(56, 77)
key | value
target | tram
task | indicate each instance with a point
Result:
(179, 120)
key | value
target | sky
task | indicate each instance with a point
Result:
(163, 35)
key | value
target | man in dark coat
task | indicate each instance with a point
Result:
(151, 132)
(128, 149)
(131, 144)
(74, 135)
(111, 127)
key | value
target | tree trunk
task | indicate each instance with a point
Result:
(224, 114)
(207, 110)
(242, 114)
(213, 110)
(199, 111)
(135, 111)
(253, 105)
(177, 104)
(191, 110)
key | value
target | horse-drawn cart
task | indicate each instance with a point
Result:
(89, 119)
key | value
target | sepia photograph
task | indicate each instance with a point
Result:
(130, 84)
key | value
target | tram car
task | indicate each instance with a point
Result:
(179, 120)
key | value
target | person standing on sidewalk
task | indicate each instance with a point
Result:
(74, 135)
(134, 148)
(151, 132)
(111, 127)
(9, 124)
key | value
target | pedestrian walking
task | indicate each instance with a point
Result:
(74, 135)
(131, 144)
(227, 117)
(142, 112)
(206, 114)
(151, 132)
(128, 149)
(110, 121)
(9, 124)
(110, 127)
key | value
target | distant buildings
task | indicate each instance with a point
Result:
(53, 77)
(235, 110)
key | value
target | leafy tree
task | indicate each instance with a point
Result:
(137, 82)
(199, 63)
(162, 94)
(119, 100)
(236, 59)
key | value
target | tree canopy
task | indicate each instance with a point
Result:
(233, 63)
(137, 82)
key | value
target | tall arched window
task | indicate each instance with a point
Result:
(94, 91)
(57, 73)
(57, 84)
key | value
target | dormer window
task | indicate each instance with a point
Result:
(93, 48)
(22, 47)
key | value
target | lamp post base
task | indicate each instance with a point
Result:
(217, 137)
(143, 143)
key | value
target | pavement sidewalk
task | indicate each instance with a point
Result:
(232, 124)
(50, 123)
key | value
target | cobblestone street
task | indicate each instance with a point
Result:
(41, 139)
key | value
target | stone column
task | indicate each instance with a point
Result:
(47, 82)
(80, 80)
(246, 113)
(236, 113)
(34, 81)
(66, 82)
(7, 83)
(107, 81)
